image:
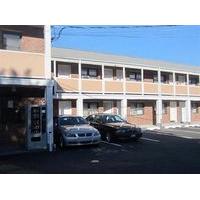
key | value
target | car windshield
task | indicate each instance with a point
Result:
(72, 121)
(112, 119)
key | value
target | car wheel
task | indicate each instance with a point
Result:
(108, 137)
(61, 142)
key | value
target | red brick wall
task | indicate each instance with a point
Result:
(195, 117)
(166, 117)
(146, 119)
(32, 37)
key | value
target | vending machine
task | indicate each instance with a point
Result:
(36, 127)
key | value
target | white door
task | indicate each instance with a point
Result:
(183, 111)
(65, 107)
(173, 111)
(108, 105)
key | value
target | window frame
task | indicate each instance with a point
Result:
(135, 107)
(5, 47)
(88, 75)
(196, 109)
(63, 65)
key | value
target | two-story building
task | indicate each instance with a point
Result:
(25, 80)
(145, 92)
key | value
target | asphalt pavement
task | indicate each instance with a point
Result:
(158, 152)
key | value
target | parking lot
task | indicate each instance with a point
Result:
(174, 150)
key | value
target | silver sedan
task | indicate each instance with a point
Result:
(74, 130)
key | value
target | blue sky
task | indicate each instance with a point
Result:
(179, 44)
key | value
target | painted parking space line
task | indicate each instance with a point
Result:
(149, 139)
(110, 143)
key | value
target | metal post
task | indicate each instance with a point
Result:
(49, 116)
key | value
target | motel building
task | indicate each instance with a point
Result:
(26, 87)
(148, 93)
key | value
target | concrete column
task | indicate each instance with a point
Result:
(103, 80)
(159, 82)
(47, 50)
(188, 84)
(159, 112)
(188, 110)
(49, 116)
(79, 77)
(142, 80)
(79, 106)
(124, 108)
(174, 83)
(124, 80)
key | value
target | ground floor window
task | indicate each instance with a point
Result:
(65, 107)
(194, 108)
(136, 109)
(164, 108)
(90, 108)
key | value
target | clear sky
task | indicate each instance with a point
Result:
(179, 44)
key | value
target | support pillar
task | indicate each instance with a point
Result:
(49, 116)
(124, 108)
(159, 112)
(80, 106)
(188, 110)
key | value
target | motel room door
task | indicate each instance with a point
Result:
(182, 111)
(173, 111)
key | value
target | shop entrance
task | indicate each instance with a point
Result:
(13, 103)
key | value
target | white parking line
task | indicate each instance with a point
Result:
(114, 144)
(149, 139)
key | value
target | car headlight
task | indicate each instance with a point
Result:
(96, 134)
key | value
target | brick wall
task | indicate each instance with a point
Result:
(32, 38)
(195, 117)
(166, 116)
(146, 119)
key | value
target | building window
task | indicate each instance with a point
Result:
(90, 108)
(195, 108)
(133, 75)
(11, 41)
(193, 80)
(155, 77)
(164, 108)
(137, 109)
(119, 74)
(63, 70)
(65, 107)
(108, 73)
(181, 79)
(88, 72)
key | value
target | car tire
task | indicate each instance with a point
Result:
(108, 137)
(61, 142)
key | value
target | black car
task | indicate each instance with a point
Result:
(113, 126)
